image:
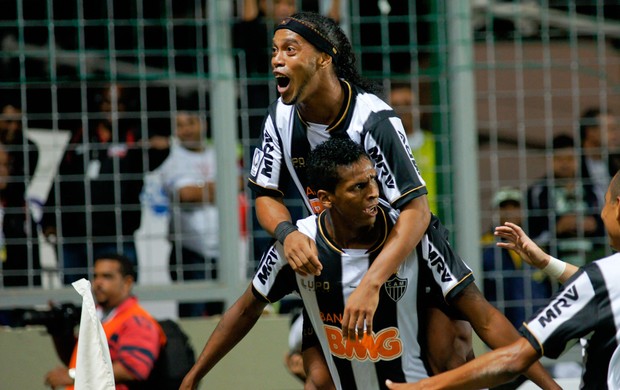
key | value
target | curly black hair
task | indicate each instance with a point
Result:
(324, 160)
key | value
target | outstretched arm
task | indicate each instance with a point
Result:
(495, 329)
(232, 328)
(517, 240)
(406, 234)
(300, 251)
(490, 369)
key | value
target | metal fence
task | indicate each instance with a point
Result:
(494, 82)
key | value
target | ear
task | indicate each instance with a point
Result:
(617, 207)
(128, 283)
(324, 60)
(324, 198)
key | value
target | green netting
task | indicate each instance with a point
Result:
(537, 67)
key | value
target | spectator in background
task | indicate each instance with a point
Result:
(254, 32)
(19, 250)
(134, 337)
(506, 277)
(188, 178)
(94, 204)
(562, 211)
(23, 153)
(422, 142)
(252, 38)
(600, 144)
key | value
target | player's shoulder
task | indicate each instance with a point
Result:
(608, 266)
(370, 102)
(371, 111)
(308, 226)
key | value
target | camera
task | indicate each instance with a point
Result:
(60, 318)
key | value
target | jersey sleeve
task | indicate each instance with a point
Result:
(449, 272)
(571, 313)
(267, 163)
(138, 346)
(385, 141)
(274, 278)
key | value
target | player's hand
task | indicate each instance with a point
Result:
(516, 239)
(301, 254)
(359, 312)
(400, 386)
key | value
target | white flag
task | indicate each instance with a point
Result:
(93, 369)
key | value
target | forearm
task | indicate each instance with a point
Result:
(568, 272)
(555, 268)
(232, 328)
(406, 234)
(516, 239)
(495, 329)
(486, 371)
(270, 212)
(499, 333)
(558, 269)
(197, 194)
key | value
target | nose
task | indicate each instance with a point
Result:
(277, 59)
(373, 189)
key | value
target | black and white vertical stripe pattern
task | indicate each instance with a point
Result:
(395, 350)
(587, 306)
(366, 119)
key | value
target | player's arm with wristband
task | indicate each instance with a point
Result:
(516, 239)
(299, 249)
(408, 230)
(271, 212)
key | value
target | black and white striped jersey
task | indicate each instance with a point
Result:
(394, 349)
(588, 306)
(366, 119)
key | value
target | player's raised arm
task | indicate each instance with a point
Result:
(232, 328)
(407, 233)
(495, 330)
(493, 368)
(516, 239)
(299, 249)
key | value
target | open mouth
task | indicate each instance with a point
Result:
(283, 81)
(372, 210)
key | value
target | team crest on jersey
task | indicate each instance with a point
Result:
(396, 287)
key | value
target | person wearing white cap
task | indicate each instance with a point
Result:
(563, 211)
(506, 276)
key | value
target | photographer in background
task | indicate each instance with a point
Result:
(134, 337)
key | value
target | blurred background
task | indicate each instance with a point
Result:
(510, 103)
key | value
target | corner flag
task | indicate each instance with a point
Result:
(93, 369)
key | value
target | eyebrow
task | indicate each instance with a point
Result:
(287, 41)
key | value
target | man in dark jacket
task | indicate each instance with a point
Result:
(94, 204)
